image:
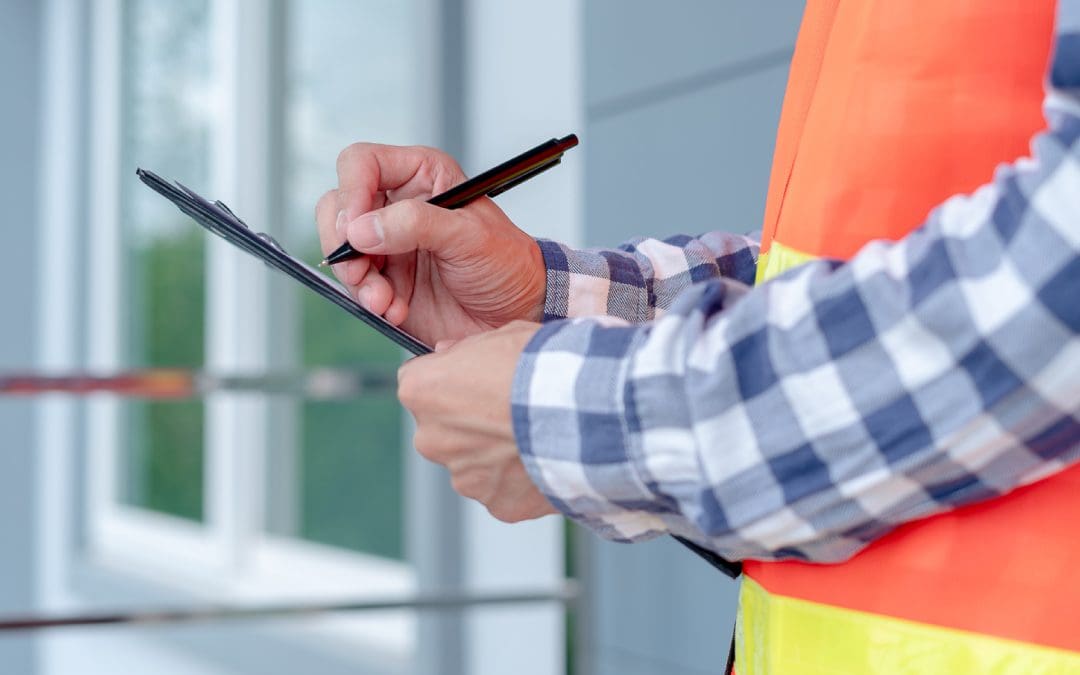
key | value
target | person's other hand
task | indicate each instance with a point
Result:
(439, 274)
(460, 397)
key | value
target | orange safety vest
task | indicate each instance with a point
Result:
(893, 106)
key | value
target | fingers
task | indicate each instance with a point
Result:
(326, 216)
(398, 310)
(460, 399)
(373, 290)
(371, 177)
(412, 225)
(352, 272)
(374, 293)
(331, 221)
(366, 169)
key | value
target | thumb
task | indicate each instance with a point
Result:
(410, 225)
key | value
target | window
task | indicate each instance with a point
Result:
(166, 124)
(244, 496)
(256, 495)
(341, 466)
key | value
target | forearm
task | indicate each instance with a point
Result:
(639, 280)
(812, 414)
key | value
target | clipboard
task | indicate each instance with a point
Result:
(219, 219)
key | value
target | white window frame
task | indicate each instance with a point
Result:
(229, 555)
(229, 558)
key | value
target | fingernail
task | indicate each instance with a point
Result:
(363, 296)
(366, 232)
(443, 345)
(342, 221)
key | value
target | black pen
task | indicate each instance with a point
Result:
(490, 183)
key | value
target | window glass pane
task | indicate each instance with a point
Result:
(165, 128)
(351, 75)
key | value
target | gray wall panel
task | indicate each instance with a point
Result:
(20, 74)
(660, 606)
(683, 99)
(636, 44)
(687, 164)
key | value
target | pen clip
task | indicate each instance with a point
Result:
(224, 207)
(270, 240)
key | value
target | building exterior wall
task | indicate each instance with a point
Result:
(682, 103)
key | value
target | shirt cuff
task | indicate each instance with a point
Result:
(570, 423)
(592, 283)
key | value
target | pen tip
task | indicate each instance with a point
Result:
(324, 263)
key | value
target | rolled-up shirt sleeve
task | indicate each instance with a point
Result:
(640, 279)
(807, 416)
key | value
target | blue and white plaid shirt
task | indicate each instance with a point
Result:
(807, 416)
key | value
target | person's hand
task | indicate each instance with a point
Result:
(439, 274)
(460, 397)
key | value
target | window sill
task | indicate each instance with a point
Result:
(144, 560)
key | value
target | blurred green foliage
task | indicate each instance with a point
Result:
(166, 73)
(348, 461)
(349, 452)
(165, 467)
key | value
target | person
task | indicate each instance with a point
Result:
(897, 396)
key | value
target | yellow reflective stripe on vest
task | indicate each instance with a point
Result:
(779, 259)
(781, 635)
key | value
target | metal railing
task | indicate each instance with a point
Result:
(565, 595)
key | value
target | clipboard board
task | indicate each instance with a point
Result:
(218, 218)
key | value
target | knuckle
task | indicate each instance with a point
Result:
(434, 155)
(322, 207)
(423, 441)
(460, 485)
(411, 388)
(327, 197)
(506, 513)
(438, 167)
(406, 390)
(465, 486)
(351, 153)
(428, 150)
